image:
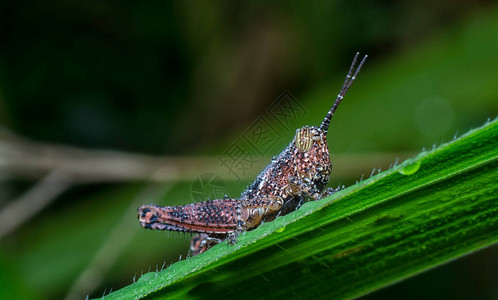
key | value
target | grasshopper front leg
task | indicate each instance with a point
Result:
(309, 188)
(306, 183)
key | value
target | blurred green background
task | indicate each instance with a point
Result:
(106, 106)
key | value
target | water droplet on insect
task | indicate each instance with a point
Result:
(410, 168)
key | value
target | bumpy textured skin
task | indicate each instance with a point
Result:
(197, 217)
(301, 171)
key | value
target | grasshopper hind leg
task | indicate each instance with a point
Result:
(202, 242)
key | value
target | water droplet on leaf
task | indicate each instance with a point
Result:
(281, 229)
(410, 168)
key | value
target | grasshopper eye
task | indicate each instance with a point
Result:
(304, 139)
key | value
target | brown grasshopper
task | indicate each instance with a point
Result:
(302, 170)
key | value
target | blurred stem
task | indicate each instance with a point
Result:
(114, 245)
(22, 157)
(43, 193)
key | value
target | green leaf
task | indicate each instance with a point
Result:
(433, 208)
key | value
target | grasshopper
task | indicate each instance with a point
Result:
(301, 171)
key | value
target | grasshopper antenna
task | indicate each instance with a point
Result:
(345, 87)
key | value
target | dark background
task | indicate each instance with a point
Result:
(186, 79)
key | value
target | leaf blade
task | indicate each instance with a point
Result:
(379, 231)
